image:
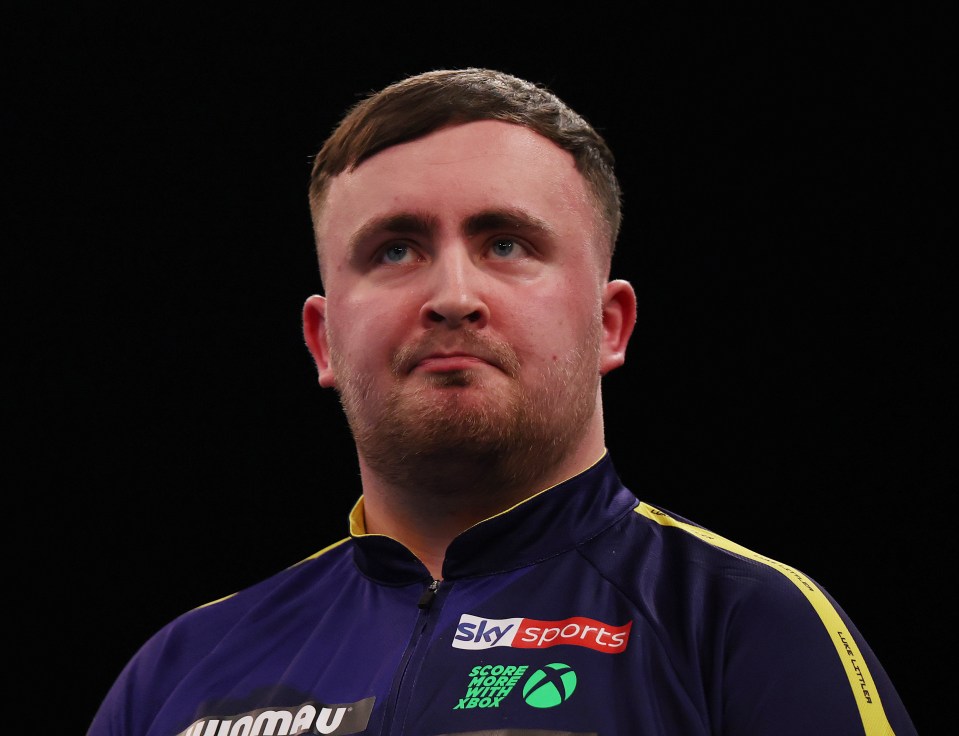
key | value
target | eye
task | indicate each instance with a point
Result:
(506, 248)
(397, 253)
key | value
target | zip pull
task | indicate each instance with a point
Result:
(426, 600)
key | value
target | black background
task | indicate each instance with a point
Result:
(786, 212)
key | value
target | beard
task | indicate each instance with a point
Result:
(460, 432)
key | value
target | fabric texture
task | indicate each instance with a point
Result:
(580, 611)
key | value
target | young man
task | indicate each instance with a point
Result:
(498, 577)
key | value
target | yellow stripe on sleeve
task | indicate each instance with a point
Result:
(873, 716)
(295, 564)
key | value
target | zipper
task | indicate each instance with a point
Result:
(412, 660)
(426, 600)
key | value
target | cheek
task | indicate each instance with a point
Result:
(555, 329)
(364, 330)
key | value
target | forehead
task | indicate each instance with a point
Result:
(457, 171)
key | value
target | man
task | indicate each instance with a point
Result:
(498, 577)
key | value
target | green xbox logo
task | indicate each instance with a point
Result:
(550, 686)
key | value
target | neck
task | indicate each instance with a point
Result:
(441, 497)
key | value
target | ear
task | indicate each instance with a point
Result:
(314, 331)
(619, 319)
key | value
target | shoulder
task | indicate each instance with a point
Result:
(227, 622)
(216, 632)
(298, 584)
(656, 555)
(764, 633)
(693, 590)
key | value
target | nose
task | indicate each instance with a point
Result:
(455, 295)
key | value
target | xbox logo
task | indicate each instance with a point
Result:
(550, 686)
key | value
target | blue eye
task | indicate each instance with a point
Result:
(396, 253)
(506, 248)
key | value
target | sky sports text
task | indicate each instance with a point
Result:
(475, 632)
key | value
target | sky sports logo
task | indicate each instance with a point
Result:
(474, 632)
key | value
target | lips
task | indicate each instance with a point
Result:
(469, 351)
(448, 362)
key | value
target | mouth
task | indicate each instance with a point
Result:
(469, 353)
(449, 362)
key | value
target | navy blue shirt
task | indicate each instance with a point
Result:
(579, 611)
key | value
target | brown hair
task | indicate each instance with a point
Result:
(420, 104)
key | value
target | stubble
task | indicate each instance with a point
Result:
(462, 433)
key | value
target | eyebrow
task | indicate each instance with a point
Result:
(400, 223)
(506, 219)
(416, 223)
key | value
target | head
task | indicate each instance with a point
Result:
(465, 222)
(418, 105)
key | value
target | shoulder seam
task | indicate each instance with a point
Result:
(863, 687)
(295, 564)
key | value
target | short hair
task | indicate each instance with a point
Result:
(420, 104)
